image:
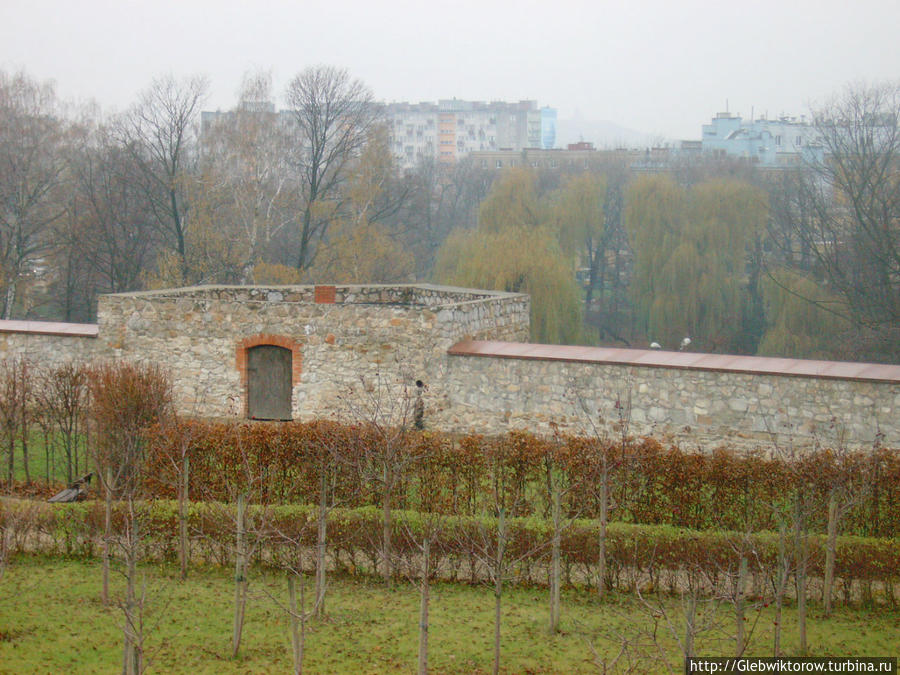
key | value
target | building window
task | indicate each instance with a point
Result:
(499, 164)
(799, 140)
(778, 140)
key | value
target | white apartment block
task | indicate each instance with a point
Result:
(451, 129)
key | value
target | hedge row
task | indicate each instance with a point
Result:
(467, 475)
(461, 545)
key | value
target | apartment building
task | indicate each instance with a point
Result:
(447, 130)
(452, 129)
(781, 142)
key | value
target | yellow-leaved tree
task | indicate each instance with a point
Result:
(514, 249)
(360, 247)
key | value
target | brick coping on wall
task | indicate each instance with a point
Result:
(651, 358)
(90, 330)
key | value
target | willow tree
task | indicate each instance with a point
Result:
(691, 257)
(654, 211)
(519, 259)
(584, 231)
(512, 202)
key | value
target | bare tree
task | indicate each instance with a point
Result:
(560, 482)
(780, 577)
(696, 614)
(611, 456)
(62, 399)
(489, 539)
(850, 483)
(432, 525)
(385, 411)
(126, 399)
(16, 391)
(245, 169)
(334, 115)
(159, 132)
(854, 191)
(114, 223)
(32, 175)
(292, 564)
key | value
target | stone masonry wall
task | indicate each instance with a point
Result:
(47, 348)
(396, 334)
(345, 338)
(693, 407)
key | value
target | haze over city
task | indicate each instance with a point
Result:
(661, 68)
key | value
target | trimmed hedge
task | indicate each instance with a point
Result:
(460, 544)
(457, 475)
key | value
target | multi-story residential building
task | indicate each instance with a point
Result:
(447, 130)
(451, 129)
(770, 143)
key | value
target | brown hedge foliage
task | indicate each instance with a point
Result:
(469, 475)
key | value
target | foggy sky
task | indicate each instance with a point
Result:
(659, 67)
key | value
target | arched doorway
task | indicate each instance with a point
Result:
(269, 382)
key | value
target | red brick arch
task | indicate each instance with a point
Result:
(269, 339)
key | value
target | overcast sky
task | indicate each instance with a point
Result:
(660, 67)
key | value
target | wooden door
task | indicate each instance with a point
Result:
(269, 383)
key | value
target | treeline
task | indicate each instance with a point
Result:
(646, 482)
(155, 196)
(799, 261)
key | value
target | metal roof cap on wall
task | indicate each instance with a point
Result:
(652, 358)
(50, 328)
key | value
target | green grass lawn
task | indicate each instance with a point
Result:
(45, 462)
(52, 621)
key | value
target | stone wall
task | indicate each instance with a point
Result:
(48, 343)
(353, 334)
(692, 406)
(354, 343)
